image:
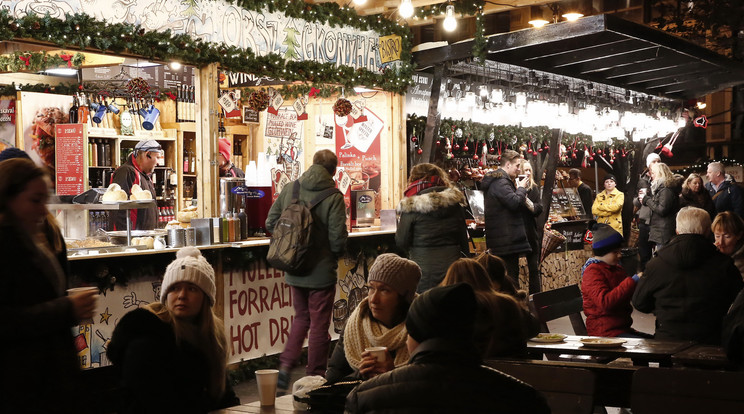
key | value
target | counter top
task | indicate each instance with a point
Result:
(264, 241)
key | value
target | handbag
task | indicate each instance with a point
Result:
(329, 398)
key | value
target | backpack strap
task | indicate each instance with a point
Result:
(322, 196)
(295, 192)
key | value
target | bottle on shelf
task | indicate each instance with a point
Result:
(94, 153)
(83, 110)
(186, 159)
(106, 153)
(101, 153)
(192, 104)
(179, 103)
(73, 111)
(192, 161)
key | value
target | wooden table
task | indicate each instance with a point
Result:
(703, 356)
(283, 405)
(641, 351)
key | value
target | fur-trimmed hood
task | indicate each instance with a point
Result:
(430, 200)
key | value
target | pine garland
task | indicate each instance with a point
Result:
(38, 61)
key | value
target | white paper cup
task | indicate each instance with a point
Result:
(379, 352)
(78, 291)
(266, 381)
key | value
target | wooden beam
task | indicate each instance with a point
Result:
(432, 118)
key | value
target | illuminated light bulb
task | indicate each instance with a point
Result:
(175, 65)
(450, 23)
(572, 17)
(405, 9)
(359, 2)
(538, 23)
(701, 105)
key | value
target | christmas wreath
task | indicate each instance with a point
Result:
(258, 100)
(342, 107)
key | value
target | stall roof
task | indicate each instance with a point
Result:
(608, 50)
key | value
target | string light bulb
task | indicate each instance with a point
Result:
(572, 17)
(359, 2)
(405, 9)
(450, 23)
(538, 23)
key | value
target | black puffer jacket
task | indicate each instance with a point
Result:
(689, 286)
(157, 374)
(445, 377)
(505, 233)
(664, 204)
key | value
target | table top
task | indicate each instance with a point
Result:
(647, 350)
(703, 356)
(283, 405)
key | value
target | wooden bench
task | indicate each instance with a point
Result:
(682, 391)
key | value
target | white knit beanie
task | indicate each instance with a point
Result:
(189, 266)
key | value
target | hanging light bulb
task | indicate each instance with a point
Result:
(359, 2)
(572, 17)
(405, 9)
(450, 23)
(538, 23)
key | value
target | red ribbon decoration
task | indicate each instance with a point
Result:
(171, 96)
(68, 59)
(25, 59)
(313, 92)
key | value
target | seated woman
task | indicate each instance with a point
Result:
(378, 320)
(496, 271)
(607, 289)
(728, 230)
(172, 355)
(502, 327)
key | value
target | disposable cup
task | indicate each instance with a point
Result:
(266, 381)
(81, 290)
(379, 352)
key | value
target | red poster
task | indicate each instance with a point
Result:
(358, 151)
(70, 166)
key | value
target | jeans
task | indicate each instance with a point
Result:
(512, 267)
(313, 310)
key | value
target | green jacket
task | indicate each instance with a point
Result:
(329, 220)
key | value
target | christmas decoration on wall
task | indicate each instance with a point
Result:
(138, 87)
(342, 107)
(39, 61)
(258, 100)
(275, 101)
(299, 106)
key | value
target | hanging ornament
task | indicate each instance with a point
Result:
(438, 141)
(541, 147)
(419, 151)
(484, 154)
(448, 145)
(258, 100)
(465, 148)
(342, 107)
(138, 87)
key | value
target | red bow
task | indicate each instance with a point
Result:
(68, 59)
(313, 92)
(25, 59)
(170, 95)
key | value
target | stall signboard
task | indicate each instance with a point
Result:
(390, 48)
(229, 80)
(7, 123)
(418, 94)
(69, 150)
(222, 22)
(574, 233)
(284, 134)
(161, 76)
(358, 152)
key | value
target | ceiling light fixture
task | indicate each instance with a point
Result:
(538, 23)
(572, 17)
(450, 23)
(359, 2)
(405, 9)
(175, 65)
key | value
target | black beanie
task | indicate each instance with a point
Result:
(443, 312)
(610, 177)
(13, 152)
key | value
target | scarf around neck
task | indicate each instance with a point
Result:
(422, 184)
(362, 331)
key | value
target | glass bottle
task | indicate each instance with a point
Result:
(74, 111)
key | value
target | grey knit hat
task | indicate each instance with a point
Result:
(189, 266)
(401, 274)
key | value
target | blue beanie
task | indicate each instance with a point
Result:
(13, 152)
(605, 237)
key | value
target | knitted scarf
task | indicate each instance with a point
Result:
(422, 184)
(362, 331)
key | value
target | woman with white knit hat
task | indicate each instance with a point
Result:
(378, 320)
(172, 355)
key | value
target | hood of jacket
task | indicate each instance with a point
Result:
(136, 324)
(316, 178)
(687, 251)
(432, 199)
(491, 177)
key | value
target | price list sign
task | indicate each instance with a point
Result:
(69, 148)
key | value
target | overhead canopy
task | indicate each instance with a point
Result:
(608, 50)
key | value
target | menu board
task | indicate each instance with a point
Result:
(566, 203)
(70, 165)
(574, 233)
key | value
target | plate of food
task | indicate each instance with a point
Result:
(548, 337)
(603, 342)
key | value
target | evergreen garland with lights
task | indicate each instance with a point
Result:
(38, 61)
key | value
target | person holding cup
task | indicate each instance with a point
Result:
(38, 357)
(374, 339)
(172, 355)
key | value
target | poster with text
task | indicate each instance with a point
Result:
(358, 151)
(284, 145)
(7, 123)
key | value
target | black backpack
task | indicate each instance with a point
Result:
(292, 235)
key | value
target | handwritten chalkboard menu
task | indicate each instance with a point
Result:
(70, 166)
(566, 203)
(574, 233)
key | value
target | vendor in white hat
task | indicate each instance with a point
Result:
(138, 170)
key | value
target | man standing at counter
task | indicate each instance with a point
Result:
(138, 170)
(313, 294)
(227, 168)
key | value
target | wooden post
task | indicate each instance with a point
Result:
(552, 164)
(208, 186)
(432, 118)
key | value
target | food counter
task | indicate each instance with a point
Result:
(255, 303)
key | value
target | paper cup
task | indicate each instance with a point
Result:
(379, 352)
(79, 290)
(266, 381)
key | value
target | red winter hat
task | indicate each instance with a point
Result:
(224, 148)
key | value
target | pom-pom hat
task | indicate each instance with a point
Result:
(402, 275)
(189, 266)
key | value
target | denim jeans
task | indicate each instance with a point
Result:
(313, 309)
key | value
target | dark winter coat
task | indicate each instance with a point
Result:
(530, 217)
(733, 331)
(233, 171)
(664, 205)
(727, 198)
(126, 176)
(157, 374)
(607, 291)
(689, 286)
(432, 229)
(644, 213)
(587, 197)
(505, 232)
(699, 200)
(329, 224)
(38, 362)
(445, 377)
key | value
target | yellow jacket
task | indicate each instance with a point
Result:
(608, 209)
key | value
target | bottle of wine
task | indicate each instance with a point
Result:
(83, 110)
(192, 105)
(179, 104)
(73, 111)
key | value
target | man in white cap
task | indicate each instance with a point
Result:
(138, 170)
